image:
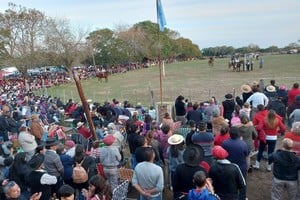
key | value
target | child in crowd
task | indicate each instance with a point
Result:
(245, 110)
(204, 189)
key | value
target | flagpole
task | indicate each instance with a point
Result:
(161, 22)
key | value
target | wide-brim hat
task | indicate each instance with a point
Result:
(36, 161)
(175, 139)
(79, 124)
(219, 152)
(270, 88)
(246, 88)
(51, 142)
(228, 96)
(108, 140)
(193, 155)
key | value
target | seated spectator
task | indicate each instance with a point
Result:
(85, 132)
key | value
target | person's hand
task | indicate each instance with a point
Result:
(85, 193)
(209, 185)
(36, 196)
(146, 193)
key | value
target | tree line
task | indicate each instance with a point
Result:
(30, 39)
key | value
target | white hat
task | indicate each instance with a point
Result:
(79, 124)
(175, 139)
(270, 88)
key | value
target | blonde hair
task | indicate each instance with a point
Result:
(271, 119)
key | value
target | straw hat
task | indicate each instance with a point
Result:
(246, 88)
(175, 139)
(270, 88)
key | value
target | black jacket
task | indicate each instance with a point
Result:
(286, 165)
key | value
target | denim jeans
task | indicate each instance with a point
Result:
(133, 161)
(271, 147)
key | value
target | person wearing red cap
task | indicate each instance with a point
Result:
(110, 158)
(229, 187)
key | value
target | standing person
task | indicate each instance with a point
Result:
(110, 158)
(228, 106)
(39, 180)
(293, 106)
(148, 178)
(98, 189)
(217, 122)
(248, 134)
(222, 136)
(134, 136)
(180, 110)
(237, 153)
(294, 135)
(195, 114)
(285, 170)
(175, 153)
(258, 117)
(255, 99)
(293, 92)
(246, 92)
(88, 163)
(53, 164)
(204, 188)
(229, 187)
(67, 162)
(269, 128)
(183, 179)
(208, 111)
(193, 129)
(205, 140)
(167, 119)
(85, 132)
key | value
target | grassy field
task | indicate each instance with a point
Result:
(193, 79)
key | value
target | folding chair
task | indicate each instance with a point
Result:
(120, 192)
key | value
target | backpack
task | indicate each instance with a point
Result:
(79, 175)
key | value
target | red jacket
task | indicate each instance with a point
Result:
(84, 132)
(263, 126)
(260, 116)
(296, 142)
(292, 94)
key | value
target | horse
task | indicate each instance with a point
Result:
(101, 75)
(211, 62)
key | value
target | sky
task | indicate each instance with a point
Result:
(207, 23)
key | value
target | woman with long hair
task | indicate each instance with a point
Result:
(98, 189)
(268, 130)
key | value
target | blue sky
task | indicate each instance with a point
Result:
(208, 23)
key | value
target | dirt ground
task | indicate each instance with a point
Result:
(259, 183)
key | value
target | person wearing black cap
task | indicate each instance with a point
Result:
(38, 179)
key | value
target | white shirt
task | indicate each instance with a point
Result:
(258, 98)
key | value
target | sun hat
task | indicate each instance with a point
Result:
(111, 126)
(228, 96)
(296, 127)
(175, 139)
(79, 124)
(193, 155)
(219, 152)
(270, 88)
(108, 140)
(51, 142)
(36, 161)
(246, 88)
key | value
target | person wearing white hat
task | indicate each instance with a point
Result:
(175, 153)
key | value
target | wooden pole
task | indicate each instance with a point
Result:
(85, 105)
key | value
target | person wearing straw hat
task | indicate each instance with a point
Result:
(183, 178)
(246, 92)
(226, 188)
(175, 153)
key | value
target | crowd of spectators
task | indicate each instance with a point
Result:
(43, 140)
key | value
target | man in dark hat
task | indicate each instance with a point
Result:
(38, 179)
(228, 106)
(52, 163)
(183, 178)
